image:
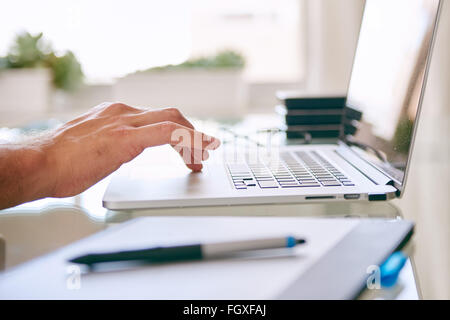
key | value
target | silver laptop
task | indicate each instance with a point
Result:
(387, 86)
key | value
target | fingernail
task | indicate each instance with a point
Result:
(216, 143)
(197, 168)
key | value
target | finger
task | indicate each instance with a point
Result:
(160, 115)
(199, 155)
(194, 157)
(155, 116)
(172, 133)
(193, 164)
(189, 143)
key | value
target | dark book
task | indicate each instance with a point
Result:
(314, 134)
(317, 116)
(315, 131)
(314, 116)
(294, 100)
(313, 119)
(352, 113)
(320, 131)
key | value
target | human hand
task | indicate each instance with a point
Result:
(81, 152)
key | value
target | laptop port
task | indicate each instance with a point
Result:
(377, 197)
(319, 197)
(352, 196)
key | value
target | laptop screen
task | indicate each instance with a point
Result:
(388, 78)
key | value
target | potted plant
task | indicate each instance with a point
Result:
(28, 76)
(203, 87)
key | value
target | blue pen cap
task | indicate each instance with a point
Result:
(290, 242)
(391, 268)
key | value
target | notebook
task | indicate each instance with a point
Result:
(332, 265)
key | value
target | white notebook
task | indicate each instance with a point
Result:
(255, 276)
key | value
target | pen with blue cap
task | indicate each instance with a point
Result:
(189, 252)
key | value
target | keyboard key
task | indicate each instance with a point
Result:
(330, 183)
(301, 173)
(304, 176)
(237, 167)
(268, 184)
(326, 178)
(292, 182)
(284, 177)
(265, 179)
(260, 172)
(287, 181)
(282, 174)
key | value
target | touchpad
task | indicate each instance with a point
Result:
(168, 180)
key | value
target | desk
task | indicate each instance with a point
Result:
(43, 226)
(39, 227)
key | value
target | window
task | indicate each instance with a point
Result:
(114, 38)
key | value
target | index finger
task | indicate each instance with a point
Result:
(172, 133)
(159, 115)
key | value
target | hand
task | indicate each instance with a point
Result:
(83, 151)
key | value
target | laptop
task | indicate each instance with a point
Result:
(387, 85)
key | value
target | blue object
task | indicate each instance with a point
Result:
(290, 242)
(391, 268)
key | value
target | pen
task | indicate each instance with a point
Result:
(189, 252)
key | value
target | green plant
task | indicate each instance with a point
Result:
(226, 59)
(67, 73)
(32, 51)
(28, 51)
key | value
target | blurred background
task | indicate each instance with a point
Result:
(71, 55)
(224, 60)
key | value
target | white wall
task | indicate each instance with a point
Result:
(426, 199)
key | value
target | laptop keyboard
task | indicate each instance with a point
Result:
(312, 171)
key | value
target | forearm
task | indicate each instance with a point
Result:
(24, 174)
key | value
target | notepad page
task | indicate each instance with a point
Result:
(257, 276)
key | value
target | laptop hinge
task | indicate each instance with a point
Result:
(368, 170)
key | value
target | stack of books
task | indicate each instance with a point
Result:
(316, 116)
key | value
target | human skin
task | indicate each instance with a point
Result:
(70, 159)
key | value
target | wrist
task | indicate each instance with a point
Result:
(37, 177)
(27, 175)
